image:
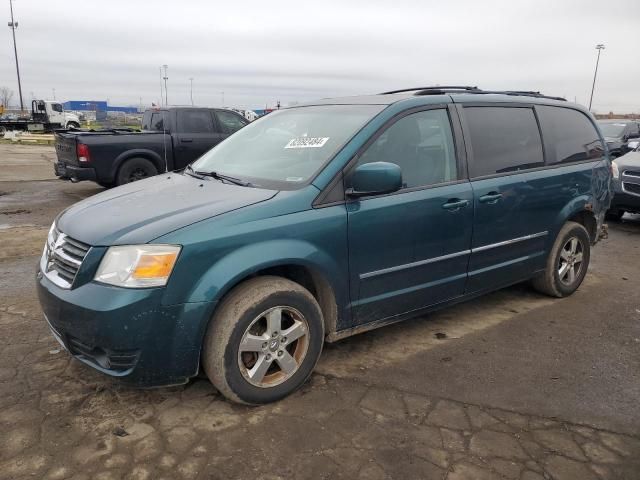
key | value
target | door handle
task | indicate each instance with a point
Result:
(455, 204)
(186, 140)
(491, 197)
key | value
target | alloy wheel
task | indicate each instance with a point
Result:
(273, 347)
(570, 261)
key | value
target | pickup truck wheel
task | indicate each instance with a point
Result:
(567, 262)
(135, 169)
(3, 130)
(264, 340)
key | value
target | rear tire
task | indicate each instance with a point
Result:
(135, 169)
(263, 341)
(567, 262)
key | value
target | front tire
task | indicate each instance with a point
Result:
(567, 262)
(615, 214)
(264, 340)
(135, 169)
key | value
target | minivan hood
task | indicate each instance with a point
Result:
(141, 211)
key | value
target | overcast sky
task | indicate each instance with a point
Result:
(258, 52)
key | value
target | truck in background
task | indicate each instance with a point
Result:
(45, 117)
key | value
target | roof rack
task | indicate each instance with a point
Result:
(441, 90)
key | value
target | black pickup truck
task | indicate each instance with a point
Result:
(170, 139)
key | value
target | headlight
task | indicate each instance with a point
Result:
(614, 170)
(138, 266)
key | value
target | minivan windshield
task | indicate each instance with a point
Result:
(285, 148)
(612, 129)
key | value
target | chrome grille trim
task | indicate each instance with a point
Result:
(62, 258)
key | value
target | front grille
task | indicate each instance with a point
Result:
(631, 188)
(631, 173)
(115, 360)
(62, 258)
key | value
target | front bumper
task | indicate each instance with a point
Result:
(126, 333)
(73, 172)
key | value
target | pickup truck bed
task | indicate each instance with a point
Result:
(171, 139)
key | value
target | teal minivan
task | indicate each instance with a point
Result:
(320, 221)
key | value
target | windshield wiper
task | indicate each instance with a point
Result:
(193, 172)
(221, 177)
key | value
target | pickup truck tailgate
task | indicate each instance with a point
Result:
(65, 144)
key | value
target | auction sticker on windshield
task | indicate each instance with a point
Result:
(307, 142)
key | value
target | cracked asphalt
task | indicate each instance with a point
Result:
(513, 385)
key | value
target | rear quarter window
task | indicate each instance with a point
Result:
(569, 135)
(503, 139)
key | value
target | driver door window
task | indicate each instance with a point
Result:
(421, 144)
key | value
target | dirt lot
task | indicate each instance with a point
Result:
(510, 386)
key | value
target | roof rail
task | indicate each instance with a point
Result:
(441, 90)
(444, 87)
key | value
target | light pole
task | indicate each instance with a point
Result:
(599, 47)
(191, 90)
(13, 25)
(165, 78)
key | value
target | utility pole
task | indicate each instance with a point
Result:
(191, 90)
(13, 25)
(161, 94)
(165, 78)
(599, 47)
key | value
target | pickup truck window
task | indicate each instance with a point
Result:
(286, 148)
(157, 122)
(195, 121)
(230, 122)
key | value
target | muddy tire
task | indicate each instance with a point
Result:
(567, 263)
(263, 341)
(135, 169)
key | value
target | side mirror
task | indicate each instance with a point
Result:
(375, 178)
(633, 144)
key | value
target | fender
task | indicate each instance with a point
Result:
(244, 262)
(576, 205)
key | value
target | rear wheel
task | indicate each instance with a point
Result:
(264, 340)
(135, 169)
(567, 263)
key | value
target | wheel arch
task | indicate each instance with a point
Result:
(579, 210)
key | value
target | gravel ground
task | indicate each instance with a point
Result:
(513, 385)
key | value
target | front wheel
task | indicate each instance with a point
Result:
(567, 262)
(264, 340)
(615, 214)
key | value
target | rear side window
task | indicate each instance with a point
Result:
(230, 122)
(195, 121)
(569, 134)
(503, 139)
(155, 122)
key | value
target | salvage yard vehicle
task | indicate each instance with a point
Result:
(45, 117)
(321, 221)
(618, 133)
(171, 139)
(626, 183)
